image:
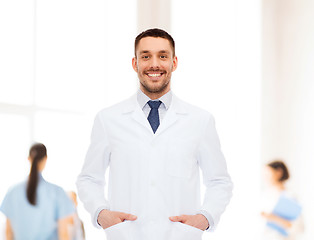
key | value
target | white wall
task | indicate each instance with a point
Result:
(288, 87)
(153, 14)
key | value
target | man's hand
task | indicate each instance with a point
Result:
(198, 221)
(108, 218)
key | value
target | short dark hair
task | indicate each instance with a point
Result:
(280, 165)
(157, 33)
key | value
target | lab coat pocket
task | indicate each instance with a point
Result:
(180, 167)
(181, 231)
(120, 231)
(180, 160)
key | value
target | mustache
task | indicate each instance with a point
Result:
(155, 70)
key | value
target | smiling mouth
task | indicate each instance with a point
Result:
(155, 75)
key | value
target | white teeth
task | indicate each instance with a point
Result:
(154, 75)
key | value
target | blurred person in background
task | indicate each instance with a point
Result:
(282, 211)
(76, 226)
(36, 209)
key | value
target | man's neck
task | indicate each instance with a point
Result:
(156, 95)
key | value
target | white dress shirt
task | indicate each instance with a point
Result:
(142, 99)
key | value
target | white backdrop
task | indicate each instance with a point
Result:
(62, 61)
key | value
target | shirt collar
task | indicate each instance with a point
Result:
(40, 176)
(142, 99)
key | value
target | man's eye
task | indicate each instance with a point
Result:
(145, 57)
(163, 56)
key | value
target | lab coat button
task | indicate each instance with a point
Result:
(152, 183)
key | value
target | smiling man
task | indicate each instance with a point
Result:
(155, 146)
(154, 63)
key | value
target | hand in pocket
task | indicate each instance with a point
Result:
(107, 218)
(198, 221)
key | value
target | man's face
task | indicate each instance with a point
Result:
(154, 64)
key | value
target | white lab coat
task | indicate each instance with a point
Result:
(154, 176)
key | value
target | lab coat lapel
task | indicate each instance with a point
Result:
(174, 112)
(139, 116)
(136, 112)
(169, 119)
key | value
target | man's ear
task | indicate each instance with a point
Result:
(175, 63)
(134, 64)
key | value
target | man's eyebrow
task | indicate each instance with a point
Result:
(147, 51)
(144, 51)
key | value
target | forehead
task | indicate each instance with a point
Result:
(154, 44)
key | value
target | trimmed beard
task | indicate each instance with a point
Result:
(154, 90)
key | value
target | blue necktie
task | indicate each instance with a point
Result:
(153, 116)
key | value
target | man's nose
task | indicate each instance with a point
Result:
(155, 62)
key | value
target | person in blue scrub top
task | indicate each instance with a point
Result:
(282, 211)
(36, 209)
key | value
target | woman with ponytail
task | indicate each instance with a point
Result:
(36, 209)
